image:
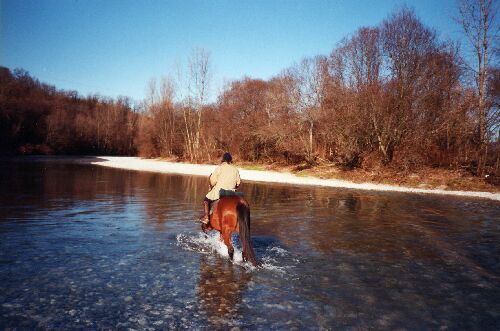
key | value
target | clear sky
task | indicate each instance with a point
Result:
(115, 47)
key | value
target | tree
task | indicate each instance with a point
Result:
(478, 20)
(310, 77)
(198, 88)
(406, 45)
(358, 95)
(160, 124)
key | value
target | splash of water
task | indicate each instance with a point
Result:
(211, 243)
(207, 244)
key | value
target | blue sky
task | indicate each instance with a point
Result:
(115, 47)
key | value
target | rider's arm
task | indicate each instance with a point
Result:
(209, 182)
(214, 177)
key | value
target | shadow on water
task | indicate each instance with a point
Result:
(75, 238)
(262, 243)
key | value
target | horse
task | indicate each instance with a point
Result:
(232, 213)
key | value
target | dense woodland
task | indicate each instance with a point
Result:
(394, 95)
(36, 118)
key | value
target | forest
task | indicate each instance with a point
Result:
(389, 96)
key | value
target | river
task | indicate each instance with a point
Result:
(87, 247)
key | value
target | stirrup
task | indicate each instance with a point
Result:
(204, 220)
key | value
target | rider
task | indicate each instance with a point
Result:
(225, 176)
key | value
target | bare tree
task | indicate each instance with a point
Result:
(310, 86)
(359, 114)
(478, 20)
(198, 88)
(406, 45)
(365, 57)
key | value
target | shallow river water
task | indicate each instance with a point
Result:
(85, 247)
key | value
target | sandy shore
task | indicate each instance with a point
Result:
(135, 163)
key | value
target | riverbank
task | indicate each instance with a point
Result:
(267, 176)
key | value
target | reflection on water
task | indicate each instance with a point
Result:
(96, 248)
(220, 290)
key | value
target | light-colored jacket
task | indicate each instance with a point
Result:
(225, 176)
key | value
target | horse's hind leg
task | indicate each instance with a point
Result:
(226, 237)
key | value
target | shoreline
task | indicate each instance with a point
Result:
(265, 176)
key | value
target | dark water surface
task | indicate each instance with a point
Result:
(85, 247)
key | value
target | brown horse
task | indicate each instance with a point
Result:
(232, 213)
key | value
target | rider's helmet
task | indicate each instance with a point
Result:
(227, 157)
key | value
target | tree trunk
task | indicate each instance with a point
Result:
(311, 127)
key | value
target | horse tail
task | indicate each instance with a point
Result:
(243, 213)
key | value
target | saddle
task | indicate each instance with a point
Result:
(229, 193)
(224, 193)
